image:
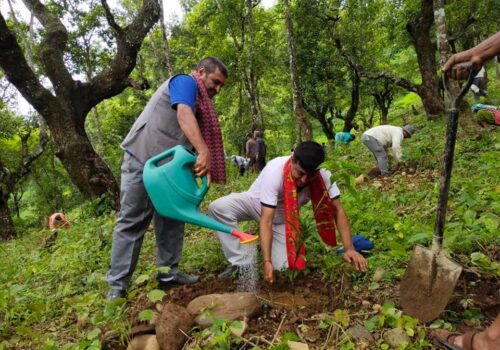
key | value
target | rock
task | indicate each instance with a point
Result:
(360, 179)
(396, 337)
(144, 342)
(172, 325)
(359, 334)
(142, 329)
(229, 306)
(379, 273)
(239, 331)
(308, 333)
(294, 345)
(377, 184)
(376, 307)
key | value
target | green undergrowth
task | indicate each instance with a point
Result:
(52, 289)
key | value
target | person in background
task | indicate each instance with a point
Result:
(251, 152)
(274, 199)
(180, 112)
(381, 137)
(241, 163)
(478, 86)
(343, 137)
(261, 150)
(58, 219)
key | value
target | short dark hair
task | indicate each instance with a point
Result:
(352, 137)
(211, 64)
(309, 155)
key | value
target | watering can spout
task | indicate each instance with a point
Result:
(175, 193)
(244, 238)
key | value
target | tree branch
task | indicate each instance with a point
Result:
(402, 82)
(115, 79)
(52, 47)
(110, 18)
(20, 74)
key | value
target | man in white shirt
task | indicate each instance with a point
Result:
(381, 137)
(273, 200)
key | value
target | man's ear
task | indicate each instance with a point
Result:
(201, 70)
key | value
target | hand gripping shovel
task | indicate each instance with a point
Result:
(430, 277)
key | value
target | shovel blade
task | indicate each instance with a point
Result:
(428, 283)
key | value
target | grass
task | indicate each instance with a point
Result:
(53, 296)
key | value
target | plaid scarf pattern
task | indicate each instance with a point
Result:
(324, 214)
(210, 130)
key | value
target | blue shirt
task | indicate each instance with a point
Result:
(182, 88)
(342, 136)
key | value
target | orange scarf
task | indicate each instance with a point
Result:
(324, 213)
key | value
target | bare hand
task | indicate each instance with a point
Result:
(202, 165)
(268, 272)
(456, 66)
(352, 256)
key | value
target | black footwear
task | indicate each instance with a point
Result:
(169, 280)
(114, 294)
(230, 272)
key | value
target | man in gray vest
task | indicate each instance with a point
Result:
(179, 113)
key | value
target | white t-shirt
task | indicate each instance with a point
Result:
(388, 136)
(267, 189)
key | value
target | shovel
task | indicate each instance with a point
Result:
(430, 277)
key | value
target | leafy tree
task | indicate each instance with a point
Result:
(65, 106)
(15, 163)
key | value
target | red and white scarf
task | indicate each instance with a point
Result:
(210, 130)
(324, 213)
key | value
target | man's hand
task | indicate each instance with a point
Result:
(268, 272)
(352, 256)
(202, 165)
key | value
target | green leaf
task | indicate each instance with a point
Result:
(142, 279)
(146, 315)
(342, 317)
(156, 295)
(93, 333)
(163, 269)
(371, 324)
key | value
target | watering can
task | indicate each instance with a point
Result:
(175, 193)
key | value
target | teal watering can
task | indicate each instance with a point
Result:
(175, 193)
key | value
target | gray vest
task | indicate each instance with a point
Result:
(156, 129)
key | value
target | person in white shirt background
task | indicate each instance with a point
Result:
(382, 137)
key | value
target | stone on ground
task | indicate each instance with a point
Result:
(228, 306)
(144, 342)
(172, 325)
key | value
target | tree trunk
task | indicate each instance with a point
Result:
(7, 229)
(351, 113)
(304, 125)
(168, 60)
(320, 114)
(252, 83)
(383, 100)
(419, 31)
(66, 107)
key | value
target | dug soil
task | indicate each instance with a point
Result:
(302, 306)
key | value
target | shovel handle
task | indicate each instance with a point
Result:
(449, 151)
(455, 99)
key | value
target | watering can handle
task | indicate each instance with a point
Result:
(154, 160)
(202, 190)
